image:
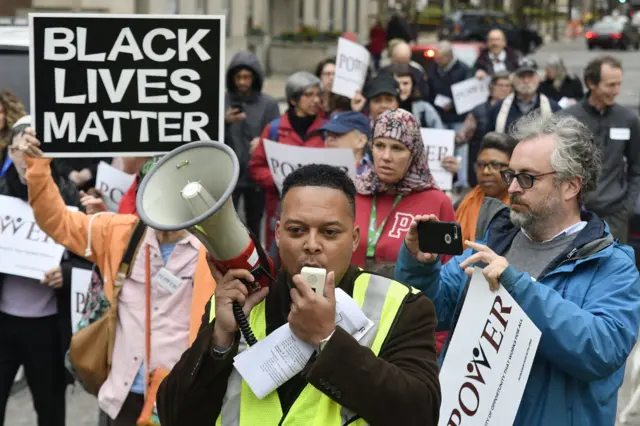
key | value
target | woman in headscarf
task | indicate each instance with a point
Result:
(493, 157)
(560, 84)
(398, 187)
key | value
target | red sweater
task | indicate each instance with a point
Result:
(431, 201)
(259, 169)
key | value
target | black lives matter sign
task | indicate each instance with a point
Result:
(111, 85)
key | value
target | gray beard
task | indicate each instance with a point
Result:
(530, 222)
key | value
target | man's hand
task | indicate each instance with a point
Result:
(92, 204)
(233, 115)
(495, 264)
(30, 145)
(480, 74)
(313, 317)
(358, 101)
(230, 289)
(448, 107)
(53, 278)
(411, 239)
(450, 164)
(254, 144)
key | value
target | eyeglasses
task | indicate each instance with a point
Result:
(525, 180)
(494, 166)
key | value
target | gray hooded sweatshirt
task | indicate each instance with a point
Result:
(261, 109)
(616, 130)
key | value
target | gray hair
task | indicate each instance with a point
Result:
(556, 63)
(445, 48)
(298, 83)
(575, 154)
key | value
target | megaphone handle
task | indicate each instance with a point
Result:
(243, 324)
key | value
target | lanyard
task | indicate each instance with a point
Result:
(374, 234)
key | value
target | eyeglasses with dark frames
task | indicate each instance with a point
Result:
(494, 166)
(525, 180)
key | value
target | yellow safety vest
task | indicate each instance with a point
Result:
(379, 298)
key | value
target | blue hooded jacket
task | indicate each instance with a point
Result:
(586, 303)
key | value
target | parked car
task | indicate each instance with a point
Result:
(474, 25)
(613, 34)
(466, 52)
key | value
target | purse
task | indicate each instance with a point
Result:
(91, 347)
(149, 414)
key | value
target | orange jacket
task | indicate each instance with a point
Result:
(106, 235)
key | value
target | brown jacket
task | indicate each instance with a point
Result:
(400, 387)
(110, 235)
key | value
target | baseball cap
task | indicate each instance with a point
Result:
(526, 65)
(382, 84)
(347, 121)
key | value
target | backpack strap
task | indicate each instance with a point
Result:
(503, 114)
(132, 248)
(273, 129)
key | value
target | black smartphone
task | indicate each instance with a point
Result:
(440, 237)
(238, 106)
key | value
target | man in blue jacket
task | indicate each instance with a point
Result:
(561, 264)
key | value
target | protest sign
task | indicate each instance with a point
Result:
(439, 143)
(113, 184)
(489, 359)
(468, 94)
(80, 283)
(107, 85)
(283, 159)
(352, 64)
(25, 250)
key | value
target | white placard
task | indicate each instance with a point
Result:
(488, 362)
(439, 143)
(565, 102)
(80, 283)
(468, 94)
(283, 159)
(352, 64)
(25, 250)
(113, 184)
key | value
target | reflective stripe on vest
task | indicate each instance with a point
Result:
(379, 298)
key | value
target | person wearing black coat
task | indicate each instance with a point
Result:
(35, 316)
(559, 83)
(399, 28)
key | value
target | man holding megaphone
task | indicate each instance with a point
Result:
(390, 376)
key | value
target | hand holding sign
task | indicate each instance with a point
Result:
(30, 145)
(495, 264)
(53, 278)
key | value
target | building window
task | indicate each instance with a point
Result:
(301, 13)
(358, 11)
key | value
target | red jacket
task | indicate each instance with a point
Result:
(432, 201)
(377, 40)
(128, 201)
(259, 169)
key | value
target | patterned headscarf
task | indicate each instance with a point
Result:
(402, 126)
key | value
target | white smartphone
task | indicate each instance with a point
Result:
(315, 277)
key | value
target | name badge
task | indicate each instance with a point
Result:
(167, 280)
(618, 134)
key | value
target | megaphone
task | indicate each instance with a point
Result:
(191, 188)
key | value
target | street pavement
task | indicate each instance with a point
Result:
(576, 56)
(81, 407)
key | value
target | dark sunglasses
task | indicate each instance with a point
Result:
(525, 180)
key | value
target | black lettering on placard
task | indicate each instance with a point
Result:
(122, 85)
(436, 153)
(351, 64)
(15, 226)
(114, 194)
